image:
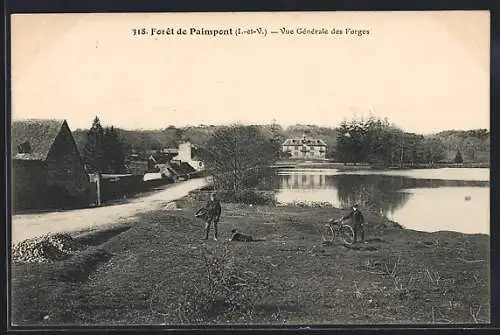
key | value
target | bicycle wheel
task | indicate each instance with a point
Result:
(347, 234)
(328, 233)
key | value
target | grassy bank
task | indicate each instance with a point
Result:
(159, 271)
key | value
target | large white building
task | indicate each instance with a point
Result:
(305, 148)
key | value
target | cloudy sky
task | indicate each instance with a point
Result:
(426, 72)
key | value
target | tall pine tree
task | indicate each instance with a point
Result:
(114, 152)
(93, 152)
(103, 151)
(458, 157)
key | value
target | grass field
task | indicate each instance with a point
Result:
(157, 270)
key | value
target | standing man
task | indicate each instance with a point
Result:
(357, 223)
(212, 212)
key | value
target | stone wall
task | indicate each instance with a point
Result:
(28, 184)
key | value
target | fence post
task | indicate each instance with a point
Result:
(98, 188)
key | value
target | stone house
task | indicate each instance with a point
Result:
(305, 148)
(47, 169)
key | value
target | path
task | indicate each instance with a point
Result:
(26, 226)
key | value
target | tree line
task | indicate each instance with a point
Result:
(471, 145)
(378, 142)
(373, 140)
(151, 140)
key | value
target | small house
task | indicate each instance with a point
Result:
(188, 153)
(47, 169)
(160, 162)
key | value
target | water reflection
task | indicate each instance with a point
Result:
(303, 181)
(375, 192)
(400, 197)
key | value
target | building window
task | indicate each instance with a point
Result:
(296, 147)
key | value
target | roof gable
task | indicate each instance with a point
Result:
(39, 134)
(161, 157)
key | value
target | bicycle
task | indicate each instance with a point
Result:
(336, 227)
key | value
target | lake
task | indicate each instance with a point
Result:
(452, 199)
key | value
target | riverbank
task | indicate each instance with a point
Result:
(159, 271)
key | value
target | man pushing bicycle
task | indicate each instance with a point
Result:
(357, 220)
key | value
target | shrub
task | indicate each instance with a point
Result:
(225, 292)
(248, 196)
(310, 204)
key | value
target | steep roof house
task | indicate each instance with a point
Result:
(179, 163)
(47, 168)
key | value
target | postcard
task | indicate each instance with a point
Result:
(266, 169)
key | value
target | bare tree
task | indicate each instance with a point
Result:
(237, 157)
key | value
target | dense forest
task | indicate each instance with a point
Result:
(474, 145)
(372, 140)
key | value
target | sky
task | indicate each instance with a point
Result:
(424, 71)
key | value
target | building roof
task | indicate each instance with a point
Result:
(40, 134)
(187, 167)
(115, 175)
(182, 168)
(137, 167)
(161, 157)
(305, 141)
(170, 151)
(176, 169)
(152, 176)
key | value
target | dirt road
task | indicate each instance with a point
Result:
(26, 226)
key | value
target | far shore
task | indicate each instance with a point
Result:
(326, 164)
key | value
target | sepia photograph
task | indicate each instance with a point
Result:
(237, 168)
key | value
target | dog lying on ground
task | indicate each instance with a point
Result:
(239, 237)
